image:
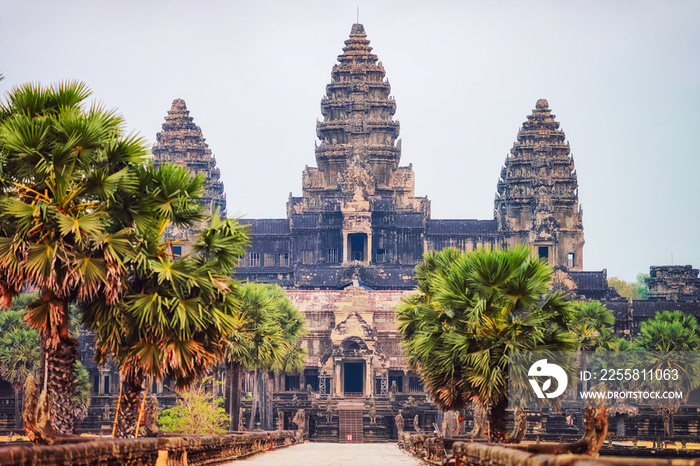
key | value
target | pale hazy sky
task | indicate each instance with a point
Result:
(623, 78)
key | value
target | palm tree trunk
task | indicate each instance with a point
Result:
(18, 409)
(267, 388)
(519, 426)
(60, 361)
(479, 417)
(233, 392)
(126, 424)
(256, 397)
(497, 421)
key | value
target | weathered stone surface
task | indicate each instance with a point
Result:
(171, 450)
(181, 143)
(674, 283)
(537, 193)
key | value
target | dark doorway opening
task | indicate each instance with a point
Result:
(291, 382)
(311, 378)
(396, 377)
(543, 252)
(353, 377)
(358, 246)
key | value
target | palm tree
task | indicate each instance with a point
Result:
(591, 325)
(670, 342)
(176, 317)
(19, 355)
(472, 310)
(267, 339)
(61, 169)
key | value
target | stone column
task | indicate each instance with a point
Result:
(345, 251)
(369, 248)
(336, 382)
(369, 375)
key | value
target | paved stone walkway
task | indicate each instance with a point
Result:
(333, 454)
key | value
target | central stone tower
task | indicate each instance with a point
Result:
(358, 181)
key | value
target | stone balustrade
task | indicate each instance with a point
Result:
(170, 450)
(439, 451)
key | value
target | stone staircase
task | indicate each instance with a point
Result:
(350, 421)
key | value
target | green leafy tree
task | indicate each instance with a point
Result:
(670, 341)
(642, 287)
(625, 289)
(197, 412)
(81, 398)
(266, 340)
(63, 171)
(471, 310)
(592, 326)
(176, 317)
(631, 290)
(19, 355)
(669, 331)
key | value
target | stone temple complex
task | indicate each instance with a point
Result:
(348, 246)
(347, 249)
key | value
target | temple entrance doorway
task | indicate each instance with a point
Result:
(353, 378)
(358, 246)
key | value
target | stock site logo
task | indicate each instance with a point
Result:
(542, 368)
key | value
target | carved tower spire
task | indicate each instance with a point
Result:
(181, 142)
(357, 128)
(358, 186)
(537, 194)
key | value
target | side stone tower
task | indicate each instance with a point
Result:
(537, 194)
(181, 142)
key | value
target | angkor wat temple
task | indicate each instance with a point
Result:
(347, 248)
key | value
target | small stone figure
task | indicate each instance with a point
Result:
(300, 421)
(295, 400)
(309, 391)
(280, 419)
(105, 412)
(240, 427)
(411, 402)
(392, 391)
(149, 426)
(416, 425)
(329, 412)
(398, 420)
(372, 413)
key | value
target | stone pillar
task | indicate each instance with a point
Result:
(369, 248)
(336, 379)
(345, 252)
(369, 376)
(404, 382)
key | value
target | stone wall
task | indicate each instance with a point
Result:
(673, 283)
(435, 450)
(181, 450)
